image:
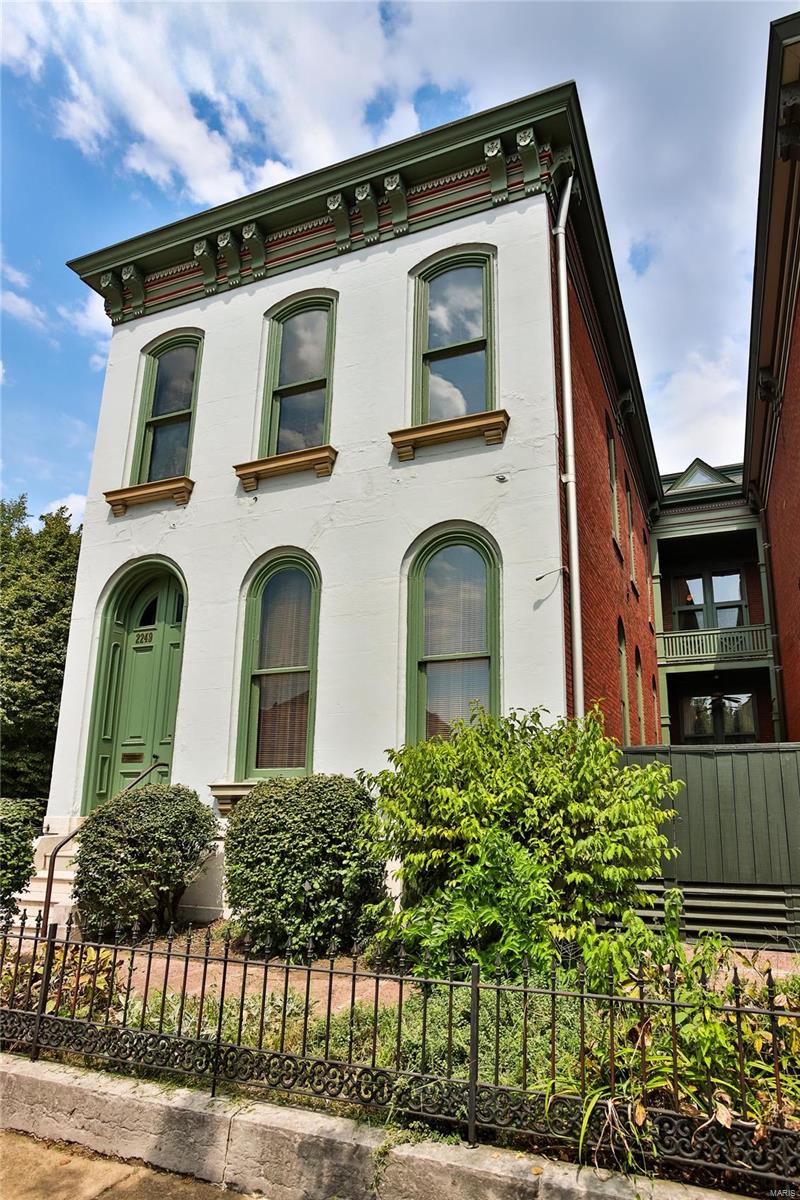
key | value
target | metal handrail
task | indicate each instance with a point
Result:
(59, 846)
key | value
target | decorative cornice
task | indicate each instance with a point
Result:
(496, 165)
(111, 291)
(769, 391)
(178, 490)
(205, 256)
(398, 202)
(253, 240)
(491, 426)
(319, 459)
(528, 153)
(133, 280)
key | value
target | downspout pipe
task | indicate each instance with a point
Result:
(568, 478)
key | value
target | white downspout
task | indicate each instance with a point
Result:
(568, 478)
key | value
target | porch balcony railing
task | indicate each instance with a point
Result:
(707, 645)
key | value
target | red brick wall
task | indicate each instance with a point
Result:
(783, 519)
(606, 590)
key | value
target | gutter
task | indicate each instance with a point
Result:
(568, 478)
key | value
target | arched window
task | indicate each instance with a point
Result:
(639, 697)
(453, 354)
(169, 394)
(276, 720)
(453, 633)
(623, 685)
(298, 376)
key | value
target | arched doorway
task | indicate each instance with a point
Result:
(136, 683)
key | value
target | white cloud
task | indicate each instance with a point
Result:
(23, 309)
(2, 371)
(75, 503)
(14, 276)
(88, 319)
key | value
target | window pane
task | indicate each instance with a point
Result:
(455, 602)
(301, 421)
(455, 306)
(451, 687)
(727, 587)
(698, 720)
(303, 346)
(168, 450)
(457, 385)
(688, 590)
(285, 620)
(729, 618)
(148, 616)
(282, 720)
(174, 380)
(738, 714)
(691, 619)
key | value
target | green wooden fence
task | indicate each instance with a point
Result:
(738, 833)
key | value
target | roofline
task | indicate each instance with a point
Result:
(782, 33)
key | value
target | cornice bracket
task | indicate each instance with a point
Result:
(769, 391)
(562, 165)
(206, 258)
(339, 213)
(396, 195)
(255, 245)
(111, 289)
(230, 250)
(133, 280)
(495, 158)
(368, 207)
(789, 143)
(627, 408)
(529, 157)
(790, 101)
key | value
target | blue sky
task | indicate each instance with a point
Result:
(120, 117)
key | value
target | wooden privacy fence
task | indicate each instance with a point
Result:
(738, 833)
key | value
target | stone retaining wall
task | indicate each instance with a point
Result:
(286, 1153)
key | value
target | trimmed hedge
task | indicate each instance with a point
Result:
(137, 854)
(294, 866)
(18, 823)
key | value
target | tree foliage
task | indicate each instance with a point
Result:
(294, 865)
(38, 580)
(18, 821)
(515, 835)
(137, 854)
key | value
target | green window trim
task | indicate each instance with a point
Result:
(416, 659)
(631, 532)
(625, 700)
(612, 480)
(147, 422)
(423, 355)
(251, 672)
(274, 391)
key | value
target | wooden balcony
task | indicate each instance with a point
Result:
(714, 645)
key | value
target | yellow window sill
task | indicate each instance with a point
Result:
(491, 426)
(178, 490)
(227, 794)
(319, 459)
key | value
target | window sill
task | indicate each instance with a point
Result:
(227, 794)
(319, 459)
(491, 426)
(178, 489)
(618, 549)
(635, 588)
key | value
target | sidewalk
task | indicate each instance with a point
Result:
(34, 1170)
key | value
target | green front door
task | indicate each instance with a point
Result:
(136, 694)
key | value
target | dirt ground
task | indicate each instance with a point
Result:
(31, 1169)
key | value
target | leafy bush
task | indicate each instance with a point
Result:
(137, 854)
(514, 836)
(18, 820)
(294, 866)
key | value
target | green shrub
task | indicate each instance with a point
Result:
(514, 836)
(294, 865)
(18, 821)
(137, 854)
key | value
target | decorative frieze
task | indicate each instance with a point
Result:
(230, 250)
(253, 240)
(396, 195)
(111, 290)
(368, 207)
(205, 256)
(133, 281)
(498, 174)
(340, 215)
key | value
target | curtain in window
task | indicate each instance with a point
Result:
(284, 671)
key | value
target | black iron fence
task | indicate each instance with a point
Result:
(640, 1070)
